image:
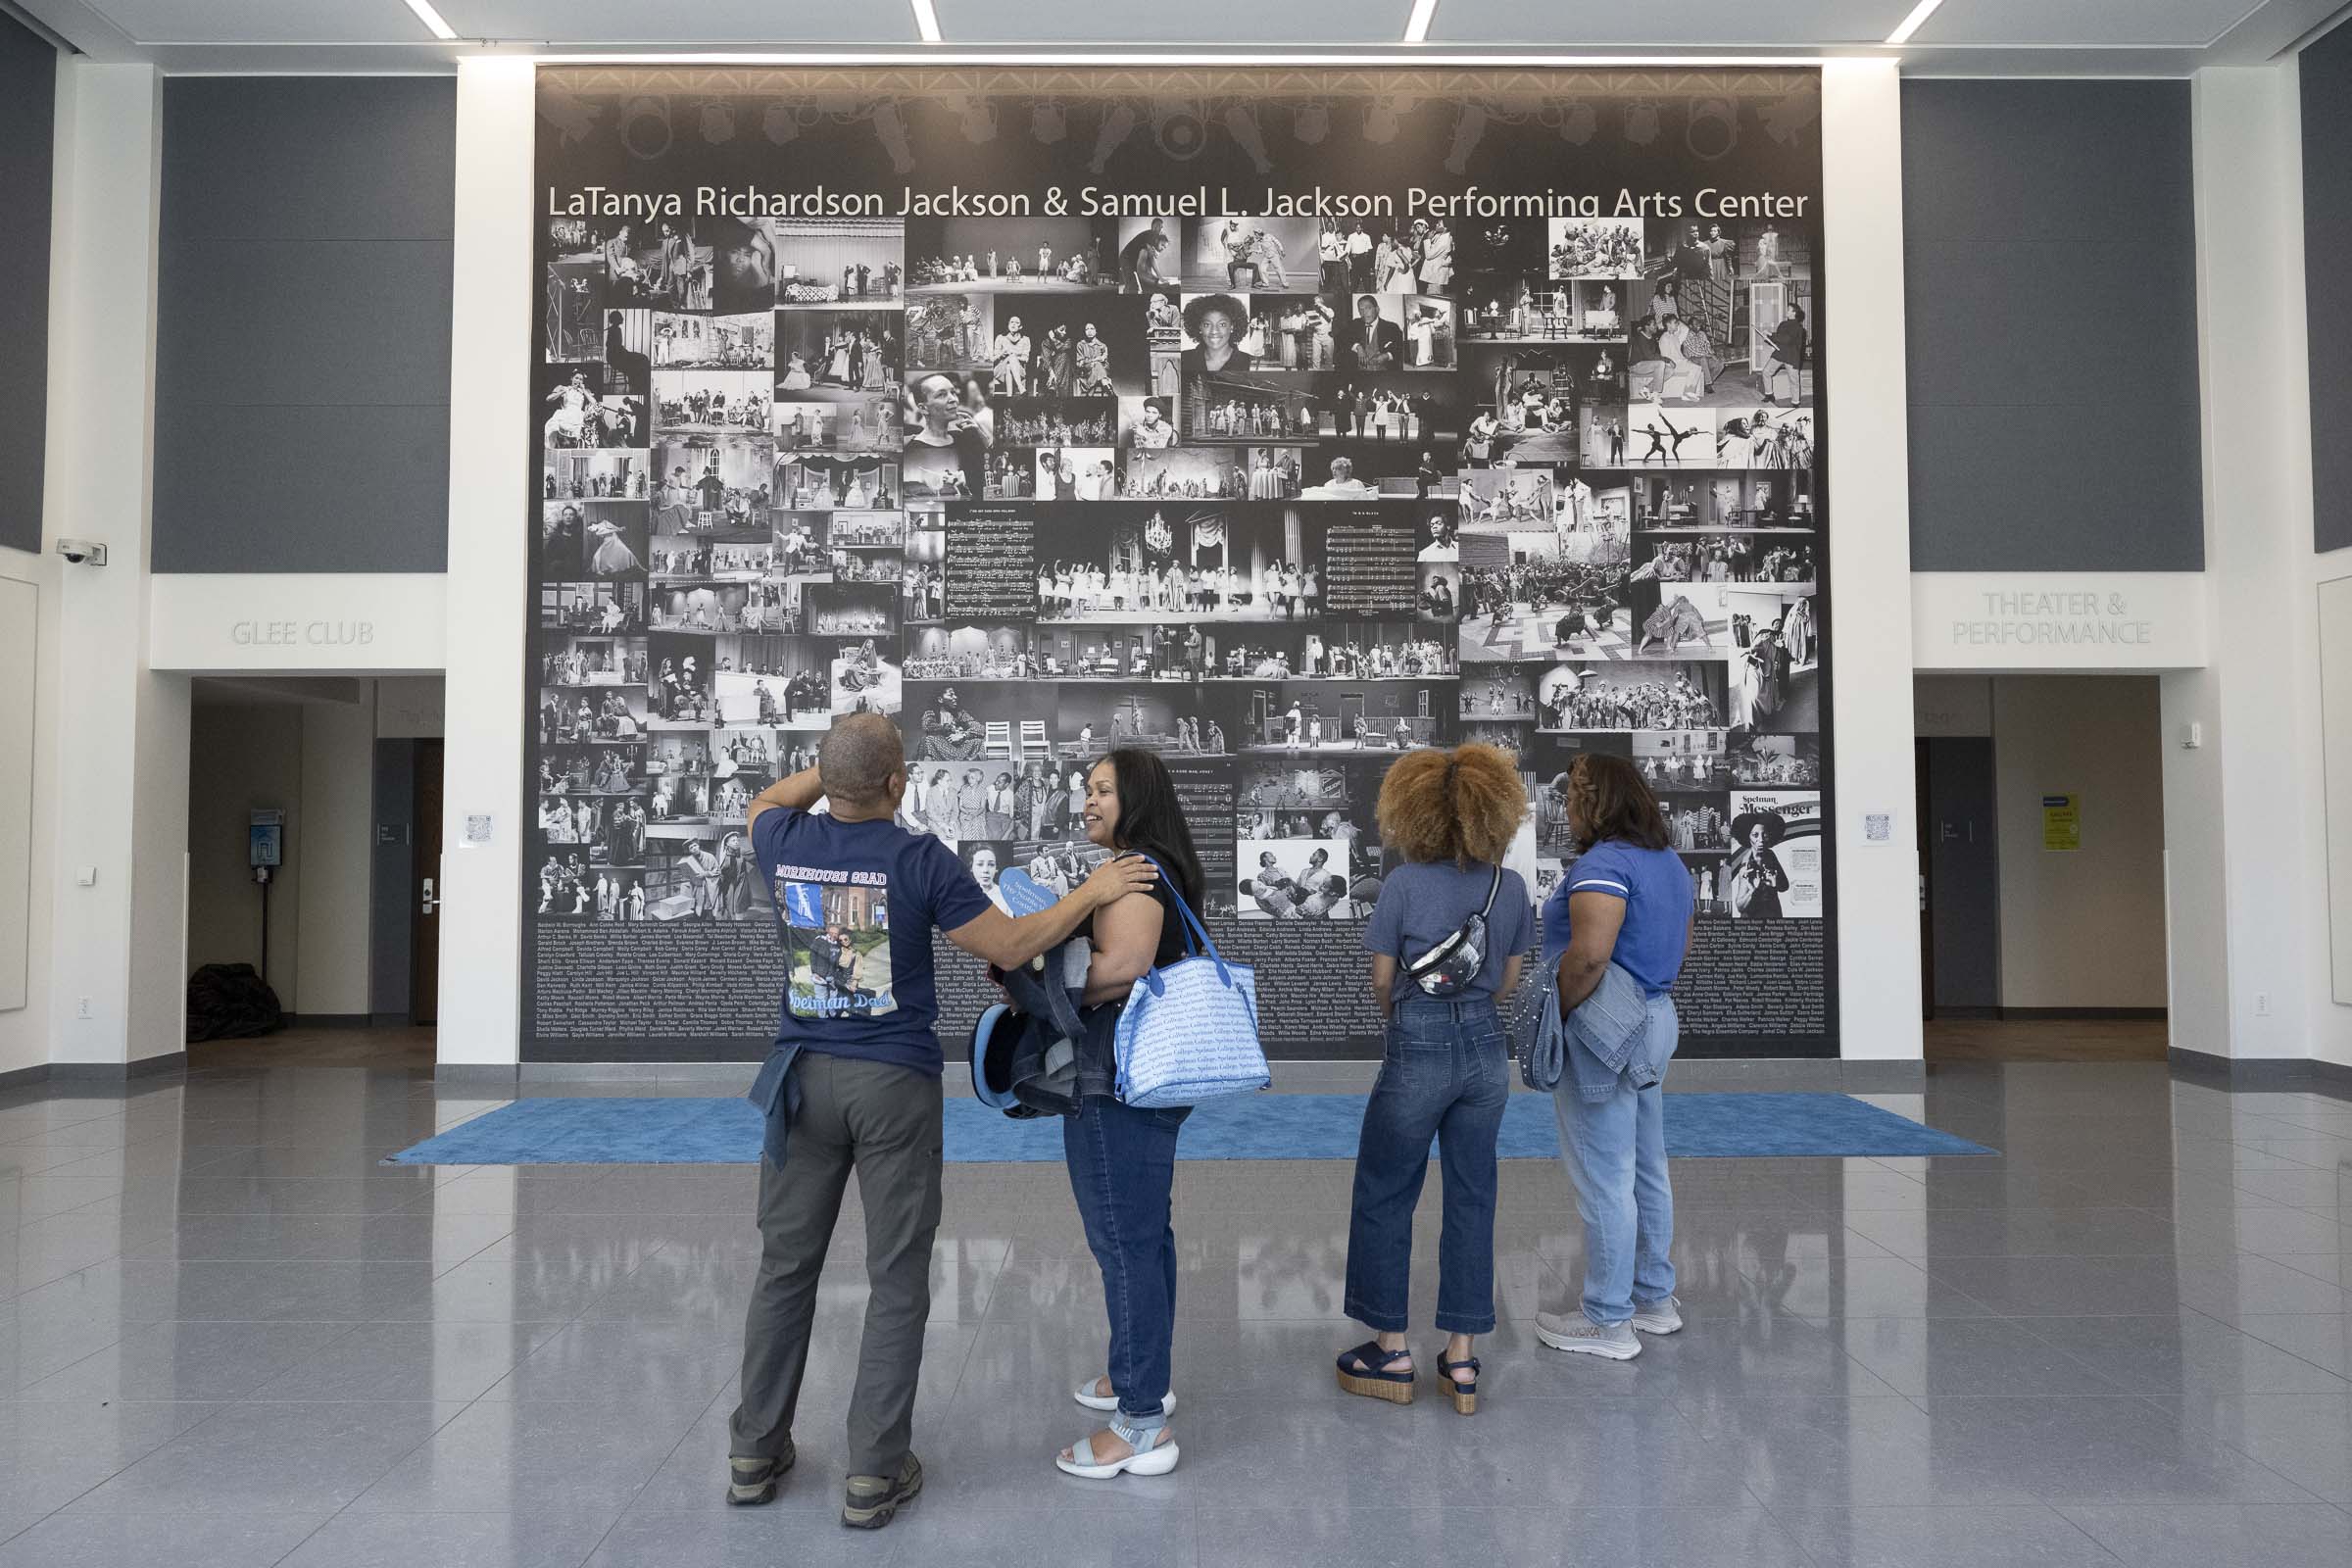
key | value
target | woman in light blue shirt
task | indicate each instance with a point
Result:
(1625, 903)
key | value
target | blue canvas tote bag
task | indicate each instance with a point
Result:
(1189, 1031)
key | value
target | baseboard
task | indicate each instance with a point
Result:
(721, 1075)
(16, 1077)
(1790, 1075)
(390, 1020)
(1968, 1015)
(171, 1061)
(2263, 1072)
(2081, 1014)
(448, 1075)
(329, 1020)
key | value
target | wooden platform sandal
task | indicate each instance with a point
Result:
(1463, 1395)
(1375, 1381)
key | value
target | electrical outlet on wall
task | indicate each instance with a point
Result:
(82, 1008)
(2262, 1003)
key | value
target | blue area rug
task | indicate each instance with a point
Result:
(726, 1132)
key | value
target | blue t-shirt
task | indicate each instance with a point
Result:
(1423, 902)
(1655, 886)
(855, 906)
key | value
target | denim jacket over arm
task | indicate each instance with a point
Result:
(777, 1093)
(1620, 1030)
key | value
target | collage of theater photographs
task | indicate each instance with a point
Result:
(1278, 498)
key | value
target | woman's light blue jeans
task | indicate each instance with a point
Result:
(1615, 1150)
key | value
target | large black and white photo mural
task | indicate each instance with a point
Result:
(1279, 422)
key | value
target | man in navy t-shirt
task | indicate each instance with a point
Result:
(853, 1085)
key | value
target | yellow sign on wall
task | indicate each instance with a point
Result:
(2061, 821)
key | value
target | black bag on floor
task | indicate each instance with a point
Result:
(230, 1002)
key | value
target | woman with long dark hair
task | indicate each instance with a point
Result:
(1123, 1161)
(1622, 914)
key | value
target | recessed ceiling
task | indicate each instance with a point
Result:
(1676, 24)
(1190, 21)
(1992, 37)
(659, 23)
(2115, 23)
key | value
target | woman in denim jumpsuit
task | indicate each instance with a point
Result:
(1450, 817)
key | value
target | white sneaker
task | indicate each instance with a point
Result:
(1659, 1317)
(1579, 1332)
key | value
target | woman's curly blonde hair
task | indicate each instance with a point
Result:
(1463, 805)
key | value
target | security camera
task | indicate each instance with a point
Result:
(83, 552)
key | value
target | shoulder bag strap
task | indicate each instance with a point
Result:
(1192, 928)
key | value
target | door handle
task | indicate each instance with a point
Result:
(427, 902)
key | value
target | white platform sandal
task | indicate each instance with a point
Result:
(1156, 1460)
(1085, 1394)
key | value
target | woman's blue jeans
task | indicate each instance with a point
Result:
(1615, 1150)
(1446, 1075)
(1122, 1169)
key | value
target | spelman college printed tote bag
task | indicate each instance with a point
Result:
(1189, 1032)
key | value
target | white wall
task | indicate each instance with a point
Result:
(2335, 695)
(481, 913)
(338, 831)
(25, 1029)
(1951, 705)
(1870, 559)
(2081, 928)
(20, 664)
(243, 757)
(2196, 884)
(409, 705)
(119, 767)
(2259, 860)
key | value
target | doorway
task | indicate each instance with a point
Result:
(2040, 841)
(339, 780)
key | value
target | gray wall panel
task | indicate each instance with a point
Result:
(309, 156)
(301, 487)
(2096, 343)
(258, 321)
(2327, 68)
(28, 110)
(2046, 159)
(2062, 487)
(2050, 289)
(302, 354)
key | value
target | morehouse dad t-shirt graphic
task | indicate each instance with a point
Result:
(837, 941)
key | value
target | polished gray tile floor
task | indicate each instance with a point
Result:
(230, 1338)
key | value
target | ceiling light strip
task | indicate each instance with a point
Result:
(1416, 26)
(926, 21)
(1096, 57)
(433, 20)
(1911, 24)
